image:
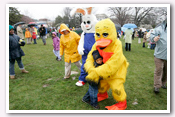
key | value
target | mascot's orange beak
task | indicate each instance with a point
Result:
(102, 43)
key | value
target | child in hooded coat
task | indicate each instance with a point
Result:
(56, 45)
(28, 36)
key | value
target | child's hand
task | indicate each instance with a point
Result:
(53, 44)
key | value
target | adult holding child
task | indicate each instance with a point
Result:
(111, 74)
(69, 47)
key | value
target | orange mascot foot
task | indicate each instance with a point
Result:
(102, 96)
(118, 106)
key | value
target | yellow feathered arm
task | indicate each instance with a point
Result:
(107, 69)
(113, 64)
(90, 68)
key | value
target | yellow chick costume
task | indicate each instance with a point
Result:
(113, 71)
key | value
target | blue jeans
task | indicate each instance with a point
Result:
(91, 95)
(153, 46)
(12, 65)
(34, 41)
(83, 74)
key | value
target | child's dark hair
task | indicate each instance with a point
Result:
(96, 55)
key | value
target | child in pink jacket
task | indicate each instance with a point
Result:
(56, 45)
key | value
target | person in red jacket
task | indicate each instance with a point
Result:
(34, 37)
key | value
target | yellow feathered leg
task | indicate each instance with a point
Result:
(118, 93)
(102, 90)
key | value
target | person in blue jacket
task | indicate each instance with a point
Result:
(15, 52)
(159, 36)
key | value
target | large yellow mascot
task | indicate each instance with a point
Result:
(112, 73)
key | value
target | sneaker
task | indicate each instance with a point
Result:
(12, 76)
(87, 102)
(80, 83)
(57, 58)
(164, 87)
(96, 107)
(156, 90)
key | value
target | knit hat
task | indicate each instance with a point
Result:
(96, 55)
(54, 33)
(10, 27)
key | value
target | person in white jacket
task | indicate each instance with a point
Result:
(128, 39)
(20, 31)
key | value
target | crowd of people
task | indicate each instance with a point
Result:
(102, 55)
(143, 36)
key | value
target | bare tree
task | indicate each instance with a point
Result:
(161, 13)
(67, 19)
(140, 14)
(121, 13)
(155, 16)
(26, 19)
(66, 13)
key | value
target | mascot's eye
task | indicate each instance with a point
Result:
(88, 22)
(98, 35)
(84, 22)
(105, 34)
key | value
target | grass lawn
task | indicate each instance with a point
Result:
(44, 88)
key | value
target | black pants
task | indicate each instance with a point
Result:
(143, 44)
(128, 46)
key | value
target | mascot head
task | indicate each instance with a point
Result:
(105, 33)
(88, 20)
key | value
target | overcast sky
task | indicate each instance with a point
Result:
(50, 11)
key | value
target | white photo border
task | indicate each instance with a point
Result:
(89, 111)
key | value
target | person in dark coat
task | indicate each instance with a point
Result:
(133, 35)
(140, 33)
(42, 31)
(15, 52)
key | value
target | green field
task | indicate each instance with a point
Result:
(43, 88)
